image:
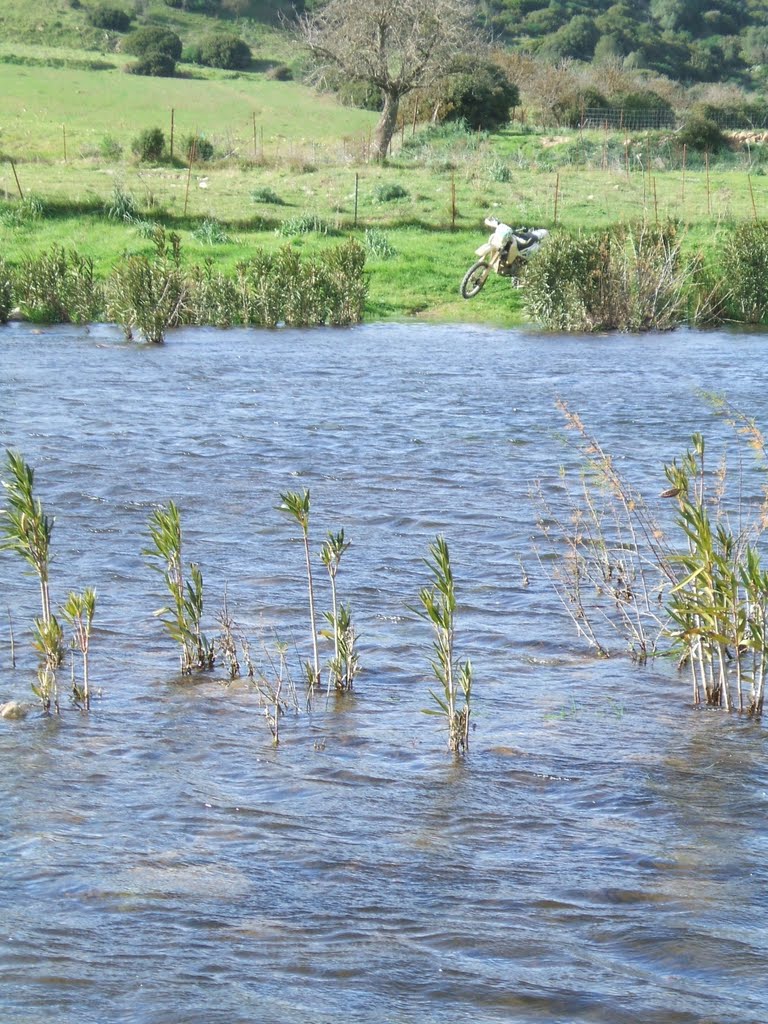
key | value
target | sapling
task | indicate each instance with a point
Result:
(183, 617)
(345, 663)
(78, 611)
(438, 603)
(297, 505)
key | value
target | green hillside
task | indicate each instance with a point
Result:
(689, 40)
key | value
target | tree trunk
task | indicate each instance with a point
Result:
(385, 129)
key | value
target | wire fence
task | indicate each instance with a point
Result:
(619, 118)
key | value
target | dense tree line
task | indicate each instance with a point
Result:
(689, 40)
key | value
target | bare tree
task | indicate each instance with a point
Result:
(394, 45)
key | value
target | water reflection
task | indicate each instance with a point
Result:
(593, 860)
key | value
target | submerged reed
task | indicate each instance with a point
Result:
(705, 601)
(78, 612)
(345, 663)
(182, 618)
(26, 530)
(438, 606)
(297, 507)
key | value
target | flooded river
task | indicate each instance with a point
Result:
(600, 856)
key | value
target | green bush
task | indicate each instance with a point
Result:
(744, 268)
(377, 244)
(307, 224)
(280, 73)
(619, 279)
(153, 39)
(158, 65)
(110, 148)
(211, 232)
(148, 295)
(113, 19)
(58, 287)
(570, 110)
(149, 145)
(387, 192)
(267, 195)
(198, 148)
(480, 95)
(702, 134)
(223, 51)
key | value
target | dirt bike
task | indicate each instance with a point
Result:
(505, 253)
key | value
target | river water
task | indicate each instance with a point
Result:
(601, 855)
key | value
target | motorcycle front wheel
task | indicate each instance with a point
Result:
(474, 279)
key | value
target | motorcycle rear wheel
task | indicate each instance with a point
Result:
(474, 279)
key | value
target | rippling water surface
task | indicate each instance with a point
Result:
(600, 856)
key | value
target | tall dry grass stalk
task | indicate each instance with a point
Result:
(604, 551)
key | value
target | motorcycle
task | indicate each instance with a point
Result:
(505, 252)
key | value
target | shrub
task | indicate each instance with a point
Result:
(267, 195)
(148, 294)
(197, 148)
(744, 266)
(211, 232)
(377, 244)
(149, 145)
(122, 206)
(307, 224)
(501, 172)
(619, 279)
(702, 134)
(114, 19)
(280, 73)
(481, 95)
(571, 109)
(158, 65)
(153, 40)
(110, 148)
(224, 51)
(386, 192)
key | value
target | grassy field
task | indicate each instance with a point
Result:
(68, 131)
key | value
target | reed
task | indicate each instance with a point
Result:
(78, 611)
(6, 291)
(345, 663)
(182, 618)
(719, 606)
(624, 279)
(148, 295)
(297, 506)
(438, 606)
(744, 266)
(26, 530)
(59, 286)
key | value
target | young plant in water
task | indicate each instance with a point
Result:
(345, 663)
(297, 506)
(183, 616)
(78, 613)
(26, 530)
(438, 603)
